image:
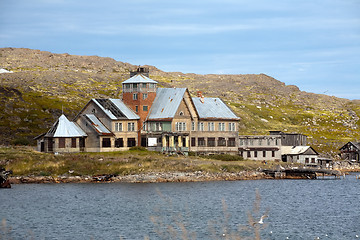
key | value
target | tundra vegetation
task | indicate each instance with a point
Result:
(24, 161)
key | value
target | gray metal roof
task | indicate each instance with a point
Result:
(213, 108)
(64, 128)
(166, 103)
(97, 125)
(297, 150)
(114, 108)
(139, 78)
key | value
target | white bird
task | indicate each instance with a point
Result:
(261, 221)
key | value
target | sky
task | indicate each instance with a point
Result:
(313, 44)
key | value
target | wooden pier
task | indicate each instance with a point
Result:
(301, 173)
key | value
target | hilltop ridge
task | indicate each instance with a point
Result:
(44, 84)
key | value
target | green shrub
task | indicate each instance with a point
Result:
(21, 142)
(138, 148)
(225, 157)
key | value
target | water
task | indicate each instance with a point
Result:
(297, 209)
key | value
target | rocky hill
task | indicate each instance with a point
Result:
(42, 84)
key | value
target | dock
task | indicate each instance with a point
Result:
(301, 173)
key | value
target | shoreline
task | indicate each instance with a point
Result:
(153, 177)
(143, 178)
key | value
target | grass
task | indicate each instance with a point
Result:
(24, 161)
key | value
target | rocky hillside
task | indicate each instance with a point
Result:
(43, 84)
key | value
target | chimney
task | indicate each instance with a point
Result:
(199, 94)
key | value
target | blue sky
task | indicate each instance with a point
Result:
(314, 44)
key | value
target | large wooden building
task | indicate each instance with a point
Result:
(161, 119)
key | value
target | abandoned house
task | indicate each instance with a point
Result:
(278, 146)
(63, 136)
(350, 151)
(300, 154)
(260, 147)
(161, 119)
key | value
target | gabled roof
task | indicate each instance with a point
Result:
(166, 103)
(355, 144)
(297, 150)
(115, 109)
(139, 78)
(213, 108)
(64, 128)
(97, 125)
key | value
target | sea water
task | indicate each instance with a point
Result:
(326, 208)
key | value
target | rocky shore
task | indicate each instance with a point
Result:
(144, 178)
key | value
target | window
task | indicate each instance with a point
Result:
(131, 142)
(180, 126)
(248, 154)
(272, 153)
(232, 127)
(145, 108)
(211, 142)
(200, 126)
(136, 108)
(119, 142)
(131, 127)
(312, 160)
(231, 142)
(211, 126)
(143, 85)
(255, 154)
(73, 142)
(201, 142)
(264, 153)
(192, 126)
(251, 142)
(260, 142)
(306, 160)
(118, 127)
(61, 142)
(221, 141)
(158, 126)
(193, 142)
(181, 113)
(268, 141)
(106, 142)
(135, 96)
(221, 126)
(145, 96)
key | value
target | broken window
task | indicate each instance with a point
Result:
(211, 142)
(106, 142)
